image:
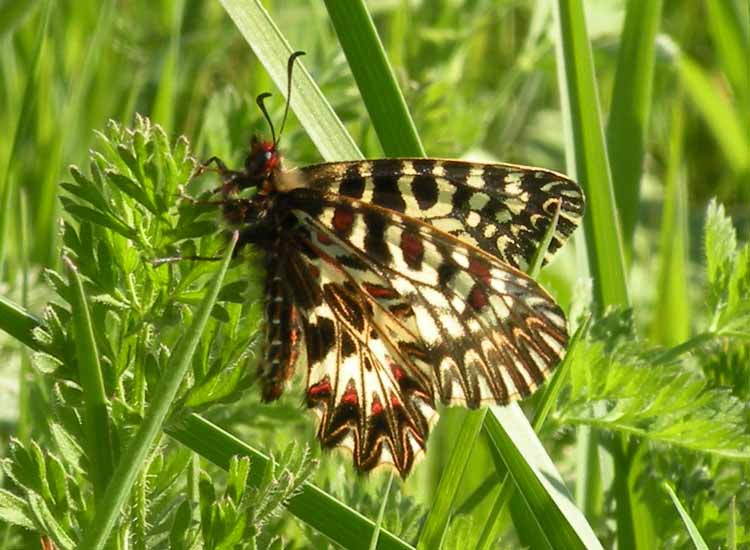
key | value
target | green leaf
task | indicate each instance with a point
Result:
(695, 535)
(15, 511)
(538, 481)
(630, 109)
(334, 519)
(133, 457)
(313, 111)
(587, 154)
(375, 79)
(97, 422)
(439, 517)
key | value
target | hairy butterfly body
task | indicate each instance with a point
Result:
(397, 284)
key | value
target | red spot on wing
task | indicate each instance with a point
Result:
(377, 291)
(477, 298)
(350, 397)
(480, 269)
(320, 390)
(398, 372)
(343, 218)
(377, 408)
(395, 401)
(323, 238)
(412, 247)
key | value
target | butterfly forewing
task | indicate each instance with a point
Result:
(504, 209)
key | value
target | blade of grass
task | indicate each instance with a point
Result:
(96, 421)
(630, 109)
(134, 456)
(375, 79)
(7, 185)
(334, 519)
(580, 106)
(313, 111)
(725, 25)
(381, 514)
(539, 483)
(587, 157)
(493, 524)
(672, 325)
(19, 323)
(717, 110)
(695, 535)
(438, 518)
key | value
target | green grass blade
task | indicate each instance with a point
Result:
(580, 107)
(549, 397)
(718, 112)
(631, 107)
(334, 519)
(725, 18)
(381, 514)
(164, 103)
(7, 185)
(73, 112)
(313, 111)
(538, 481)
(134, 456)
(585, 146)
(672, 325)
(438, 518)
(96, 421)
(19, 323)
(695, 535)
(375, 78)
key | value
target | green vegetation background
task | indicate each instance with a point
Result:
(481, 81)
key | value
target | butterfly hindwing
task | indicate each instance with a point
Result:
(369, 397)
(486, 331)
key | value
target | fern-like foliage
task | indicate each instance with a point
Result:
(620, 383)
(122, 214)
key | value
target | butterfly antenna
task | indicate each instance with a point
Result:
(260, 101)
(289, 69)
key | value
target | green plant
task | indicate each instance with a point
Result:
(648, 415)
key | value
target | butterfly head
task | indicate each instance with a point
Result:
(261, 164)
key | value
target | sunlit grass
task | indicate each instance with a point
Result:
(664, 101)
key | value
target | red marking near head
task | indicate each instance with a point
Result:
(477, 298)
(273, 160)
(480, 269)
(377, 291)
(343, 218)
(412, 246)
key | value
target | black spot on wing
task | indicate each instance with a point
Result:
(386, 194)
(319, 339)
(446, 271)
(353, 185)
(457, 172)
(425, 191)
(375, 244)
(461, 197)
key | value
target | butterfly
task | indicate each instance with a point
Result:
(397, 284)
